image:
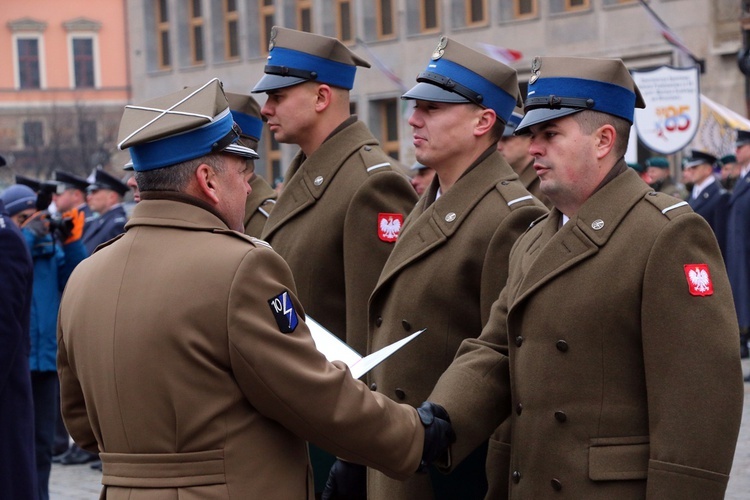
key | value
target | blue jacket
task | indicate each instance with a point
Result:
(53, 263)
(17, 459)
(711, 204)
(738, 249)
(104, 228)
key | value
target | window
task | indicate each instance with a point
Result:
(267, 21)
(231, 30)
(389, 118)
(29, 67)
(344, 20)
(83, 62)
(429, 16)
(195, 15)
(525, 8)
(385, 18)
(162, 35)
(576, 4)
(32, 134)
(304, 15)
(476, 12)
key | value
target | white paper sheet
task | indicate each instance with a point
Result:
(336, 350)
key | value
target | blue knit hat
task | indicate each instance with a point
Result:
(17, 198)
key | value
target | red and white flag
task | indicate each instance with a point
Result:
(502, 54)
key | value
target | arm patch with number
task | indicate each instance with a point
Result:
(284, 313)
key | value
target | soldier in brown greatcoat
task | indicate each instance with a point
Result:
(613, 346)
(184, 358)
(451, 259)
(262, 197)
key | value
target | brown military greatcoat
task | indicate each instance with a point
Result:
(446, 270)
(258, 206)
(326, 226)
(175, 368)
(618, 367)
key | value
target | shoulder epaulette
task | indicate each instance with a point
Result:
(514, 194)
(108, 242)
(667, 204)
(250, 239)
(374, 159)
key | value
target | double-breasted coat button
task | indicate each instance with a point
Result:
(556, 484)
(406, 325)
(400, 394)
(373, 386)
(318, 180)
(368, 148)
(450, 217)
(516, 476)
(519, 408)
(378, 321)
(562, 346)
(560, 416)
(519, 341)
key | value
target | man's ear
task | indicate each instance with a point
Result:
(206, 182)
(323, 97)
(606, 136)
(485, 121)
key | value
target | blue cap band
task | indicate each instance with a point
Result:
(608, 97)
(327, 71)
(493, 97)
(180, 147)
(251, 126)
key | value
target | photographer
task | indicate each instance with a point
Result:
(56, 248)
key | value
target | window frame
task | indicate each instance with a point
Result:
(423, 16)
(96, 67)
(230, 18)
(567, 7)
(272, 155)
(387, 145)
(339, 20)
(265, 35)
(30, 143)
(196, 21)
(468, 12)
(517, 14)
(300, 6)
(17, 60)
(379, 20)
(163, 29)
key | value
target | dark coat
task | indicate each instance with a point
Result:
(619, 369)
(738, 249)
(712, 205)
(104, 228)
(17, 457)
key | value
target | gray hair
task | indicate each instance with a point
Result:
(176, 177)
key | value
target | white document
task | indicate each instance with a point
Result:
(336, 350)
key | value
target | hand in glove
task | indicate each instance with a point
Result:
(77, 219)
(346, 481)
(438, 433)
(38, 224)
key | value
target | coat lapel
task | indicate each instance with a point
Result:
(742, 186)
(555, 251)
(310, 177)
(428, 228)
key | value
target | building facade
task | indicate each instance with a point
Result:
(64, 84)
(175, 43)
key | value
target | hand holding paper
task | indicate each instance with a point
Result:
(336, 350)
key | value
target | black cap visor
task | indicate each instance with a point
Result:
(428, 92)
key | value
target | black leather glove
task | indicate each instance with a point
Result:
(438, 433)
(346, 481)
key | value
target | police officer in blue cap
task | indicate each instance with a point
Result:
(104, 197)
(707, 197)
(598, 342)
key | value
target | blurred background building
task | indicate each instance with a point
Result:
(77, 55)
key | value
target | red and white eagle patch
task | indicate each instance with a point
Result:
(699, 280)
(389, 225)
